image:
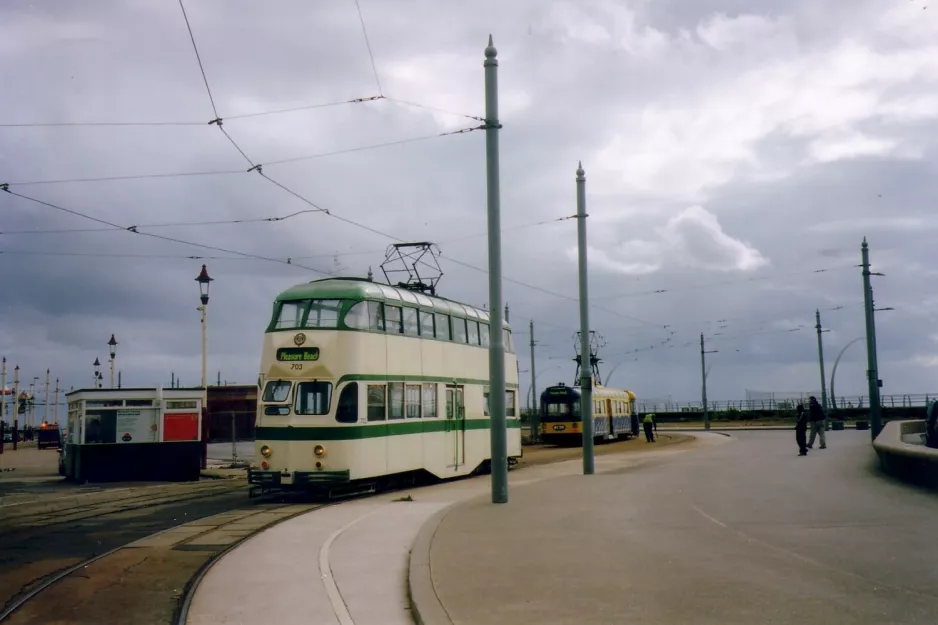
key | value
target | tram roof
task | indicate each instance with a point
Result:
(360, 289)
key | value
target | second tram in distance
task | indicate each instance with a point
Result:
(561, 421)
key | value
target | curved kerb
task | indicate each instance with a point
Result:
(425, 605)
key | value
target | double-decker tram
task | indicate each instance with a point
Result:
(561, 420)
(366, 385)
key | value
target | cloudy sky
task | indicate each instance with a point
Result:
(736, 155)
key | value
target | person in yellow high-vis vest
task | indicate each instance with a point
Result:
(649, 424)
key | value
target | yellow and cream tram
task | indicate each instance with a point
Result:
(561, 421)
(366, 385)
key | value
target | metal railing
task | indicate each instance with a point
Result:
(842, 401)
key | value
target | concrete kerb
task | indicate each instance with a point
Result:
(908, 461)
(425, 605)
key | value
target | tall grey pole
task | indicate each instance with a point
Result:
(820, 356)
(704, 372)
(586, 370)
(3, 391)
(16, 403)
(499, 432)
(56, 403)
(872, 373)
(45, 408)
(703, 387)
(535, 420)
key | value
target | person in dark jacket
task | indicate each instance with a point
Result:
(649, 423)
(801, 431)
(816, 417)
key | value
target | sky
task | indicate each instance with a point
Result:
(736, 155)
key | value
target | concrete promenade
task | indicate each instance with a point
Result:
(348, 563)
(746, 532)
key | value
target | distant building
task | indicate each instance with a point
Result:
(226, 402)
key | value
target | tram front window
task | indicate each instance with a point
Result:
(323, 313)
(560, 410)
(277, 391)
(313, 398)
(291, 314)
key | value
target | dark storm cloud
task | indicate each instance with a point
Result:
(783, 123)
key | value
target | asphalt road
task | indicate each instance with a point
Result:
(741, 533)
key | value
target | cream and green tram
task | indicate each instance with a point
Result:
(365, 385)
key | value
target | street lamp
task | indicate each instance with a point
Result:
(203, 279)
(97, 373)
(112, 346)
(703, 372)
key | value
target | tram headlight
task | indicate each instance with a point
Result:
(319, 450)
(266, 451)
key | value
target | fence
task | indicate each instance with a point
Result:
(786, 403)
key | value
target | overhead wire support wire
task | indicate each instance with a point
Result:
(96, 124)
(198, 58)
(169, 224)
(374, 68)
(305, 107)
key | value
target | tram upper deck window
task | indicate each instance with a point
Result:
(484, 334)
(411, 327)
(426, 324)
(459, 330)
(291, 314)
(509, 345)
(366, 316)
(323, 313)
(313, 398)
(392, 318)
(277, 391)
(473, 334)
(442, 326)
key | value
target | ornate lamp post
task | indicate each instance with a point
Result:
(112, 347)
(203, 279)
(97, 373)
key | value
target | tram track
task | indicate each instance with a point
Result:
(177, 556)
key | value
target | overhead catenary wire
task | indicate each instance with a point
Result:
(162, 237)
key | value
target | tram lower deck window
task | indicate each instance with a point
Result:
(313, 398)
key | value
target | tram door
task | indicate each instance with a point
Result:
(456, 424)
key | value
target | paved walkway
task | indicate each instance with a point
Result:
(348, 563)
(745, 533)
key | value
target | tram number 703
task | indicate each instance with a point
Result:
(296, 366)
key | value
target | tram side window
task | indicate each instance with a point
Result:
(323, 313)
(365, 316)
(510, 403)
(509, 346)
(413, 401)
(291, 314)
(392, 319)
(426, 324)
(442, 327)
(411, 327)
(376, 402)
(429, 400)
(347, 410)
(473, 332)
(485, 403)
(313, 398)
(484, 334)
(396, 400)
(459, 330)
(277, 391)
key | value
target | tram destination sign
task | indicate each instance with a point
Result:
(298, 354)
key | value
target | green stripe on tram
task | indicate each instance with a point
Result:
(381, 377)
(376, 430)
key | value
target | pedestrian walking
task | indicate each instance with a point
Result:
(649, 423)
(801, 430)
(816, 417)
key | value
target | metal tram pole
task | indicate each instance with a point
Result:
(820, 357)
(586, 369)
(16, 403)
(872, 373)
(535, 421)
(3, 401)
(45, 408)
(703, 387)
(499, 432)
(56, 403)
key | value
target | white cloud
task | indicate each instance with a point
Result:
(872, 224)
(692, 238)
(722, 32)
(849, 145)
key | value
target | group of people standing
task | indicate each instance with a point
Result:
(815, 417)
